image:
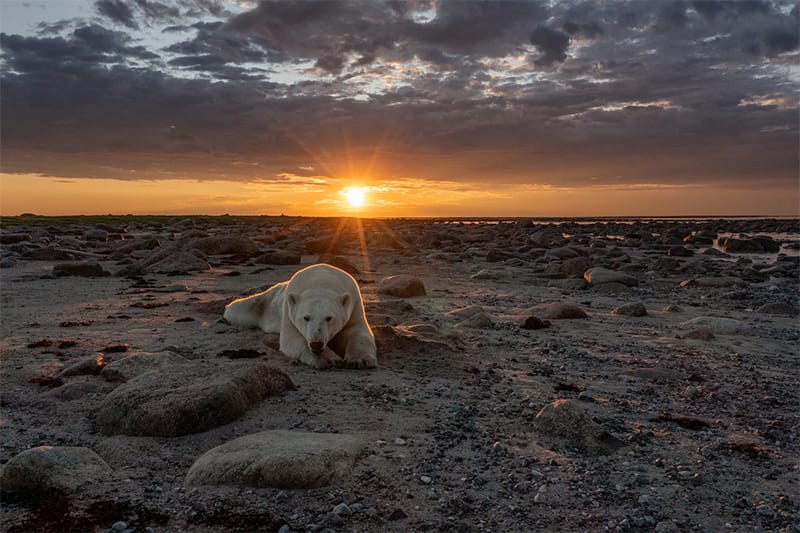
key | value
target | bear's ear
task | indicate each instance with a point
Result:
(292, 299)
(345, 299)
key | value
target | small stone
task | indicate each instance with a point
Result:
(426, 480)
(533, 322)
(284, 529)
(120, 526)
(630, 309)
(342, 510)
(400, 441)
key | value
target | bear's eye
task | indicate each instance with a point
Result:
(306, 318)
(328, 318)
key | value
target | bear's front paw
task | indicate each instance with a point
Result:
(356, 361)
(326, 359)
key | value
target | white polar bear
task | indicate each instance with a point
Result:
(319, 314)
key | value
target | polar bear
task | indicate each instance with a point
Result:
(319, 314)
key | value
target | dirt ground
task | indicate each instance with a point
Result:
(710, 426)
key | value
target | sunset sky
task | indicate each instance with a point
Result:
(426, 108)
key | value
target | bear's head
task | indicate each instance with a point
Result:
(319, 315)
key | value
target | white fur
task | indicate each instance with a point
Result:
(319, 314)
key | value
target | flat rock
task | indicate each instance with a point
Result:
(701, 334)
(339, 262)
(715, 324)
(754, 245)
(137, 364)
(477, 321)
(278, 459)
(779, 308)
(570, 284)
(713, 282)
(613, 288)
(415, 338)
(89, 269)
(566, 421)
(402, 285)
(558, 311)
(56, 468)
(223, 244)
(600, 275)
(183, 399)
(278, 258)
(630, 309)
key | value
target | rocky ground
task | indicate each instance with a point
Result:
(602, 376)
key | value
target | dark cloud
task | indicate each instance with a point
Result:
(117, 11)
(552, 44)
(672, 92)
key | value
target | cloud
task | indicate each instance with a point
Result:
(552, 44)
(437, 90)
(117, 11)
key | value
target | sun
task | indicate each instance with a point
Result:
(355, 196)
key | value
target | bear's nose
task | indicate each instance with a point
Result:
(316, 346)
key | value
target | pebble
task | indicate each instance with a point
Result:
(426, 480)
(342, 510)
(120, 526)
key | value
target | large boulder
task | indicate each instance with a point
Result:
(567, 423)
(52, 468)
(183, 399)
(278, 459)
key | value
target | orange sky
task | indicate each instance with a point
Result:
(20, 193)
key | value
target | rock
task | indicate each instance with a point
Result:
(57, 468)
(477, 321)
(13, 238)
(558, 311)
(278, 459)
(223, 244)
(178, 261)
(341, 510)
(95, 235)
(571, 284)
(490, 275)
(465, 312)
(630, 309)
(50, 254)
(533, 322)
(278, 258)
(778, 308)
(679, 251)
(183, 399)
(754, 245)
(415, 338)
(600, 275)
(339, 262)
(140, 363)
(566, 421)
(575, 267)
(673, 308)
(86, 366)
(718, 325)
(402, 285)
(86, 270)
(702, 334)
(713, 282)
(612, 288)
